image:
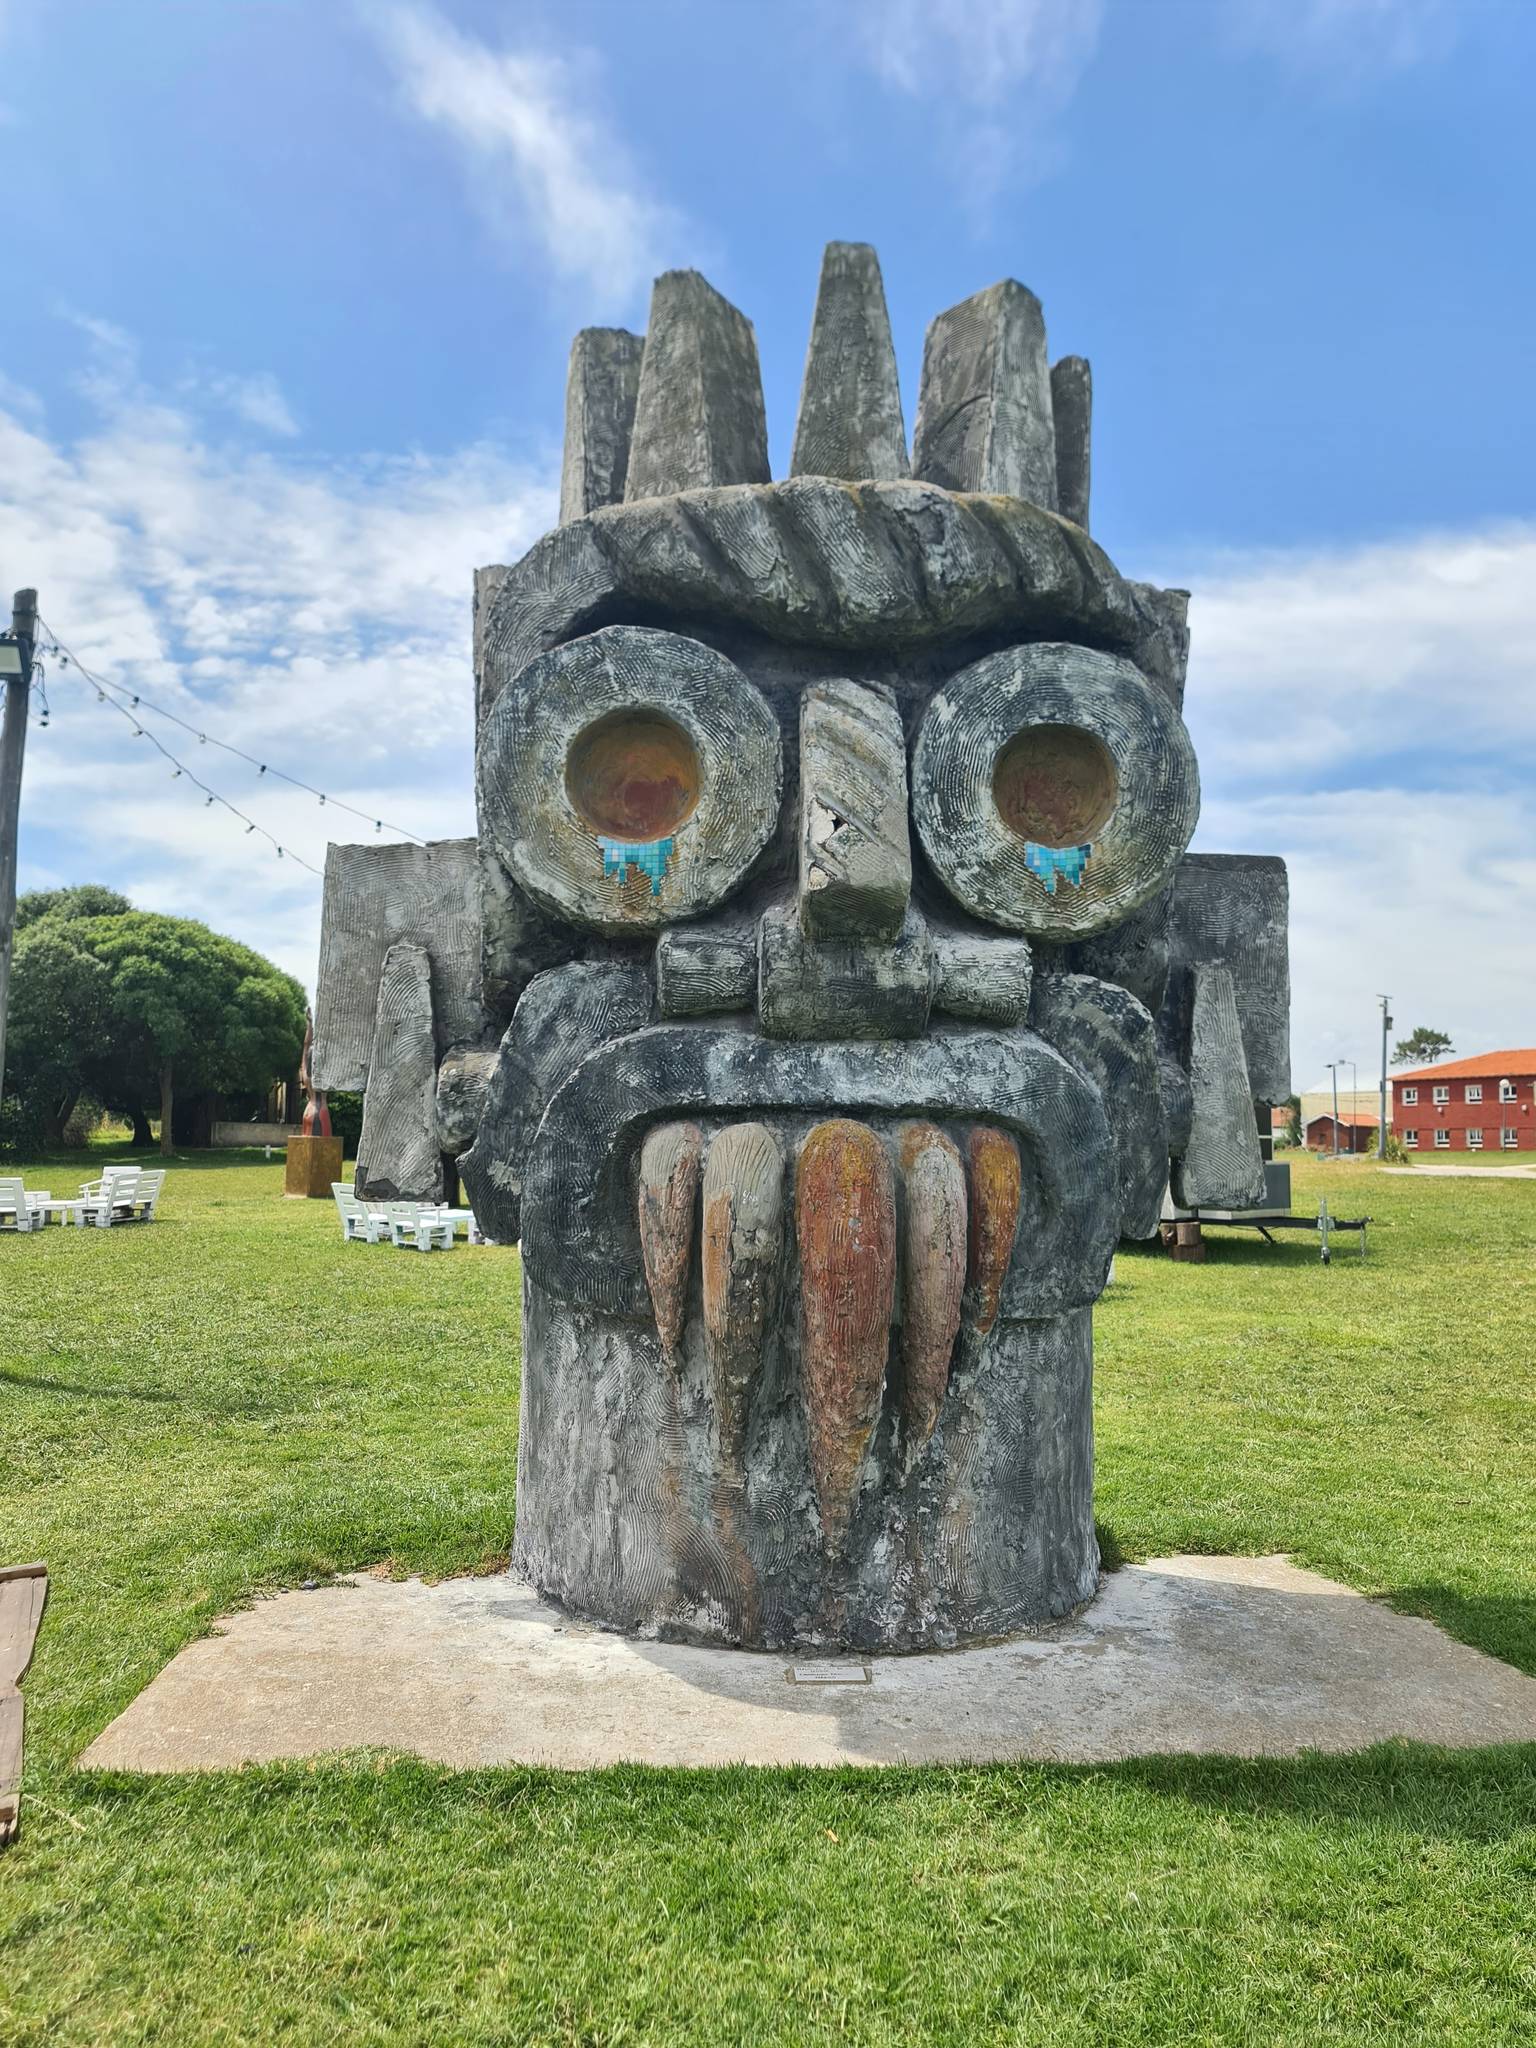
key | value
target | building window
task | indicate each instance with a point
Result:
(1506, 1091)
(1442, 1141)
(1474, 1091)
(1411, 1140)
(1509, 1138)
(1474, 1141)
(1443, 1094)
(1410, 1095)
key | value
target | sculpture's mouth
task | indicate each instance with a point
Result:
(930, 1159)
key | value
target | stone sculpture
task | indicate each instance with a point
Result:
(855, 986)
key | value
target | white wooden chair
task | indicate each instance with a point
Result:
(101, 1200)
(20, 1210)
(423, 1226)
(146, 1193)
(367, 1226)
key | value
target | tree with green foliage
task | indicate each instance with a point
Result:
(134, 1006)
(85, 899)
(1421, 1048)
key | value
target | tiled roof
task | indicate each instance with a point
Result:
(1346, 1117)
(1481, 1067)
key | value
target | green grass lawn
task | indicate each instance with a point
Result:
(233, 1400)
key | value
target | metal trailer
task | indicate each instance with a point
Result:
(1273, 1214)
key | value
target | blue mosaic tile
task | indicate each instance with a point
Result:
(649, 856)
(1047, 862)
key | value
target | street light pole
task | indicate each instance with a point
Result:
(1333, 1068)
(1381, 1125)
(16, 672)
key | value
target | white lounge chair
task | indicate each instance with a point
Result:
(21, 1210)
(358, 1221)
(418, 1224)
(104, 1201)
(141, 1205)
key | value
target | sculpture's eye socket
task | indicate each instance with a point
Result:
(633, 775)
(629, 778)
(1054, 789)
(1055, 785)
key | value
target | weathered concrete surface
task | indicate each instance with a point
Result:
(600, 390)
(1072, 417)
(855, 851)
(850, 422)
(1123, 854)
(375, 895)
(1246, 1656)
(984, 410)
(1221, 1165)
(398, 1156)
(860, 567)
(699, 416)
(1232, 910)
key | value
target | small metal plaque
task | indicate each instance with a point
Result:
(829, 1674)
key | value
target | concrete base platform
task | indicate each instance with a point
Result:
(1242, 1655)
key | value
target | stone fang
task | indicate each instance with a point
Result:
(669, 1186)
(743, 1240)
(845, 1225)
(984, 420)
(996, 1192)
(934, 1246)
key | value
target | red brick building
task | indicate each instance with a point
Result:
(1484, 1104)
(1356, 1133)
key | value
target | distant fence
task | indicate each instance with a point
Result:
(254, 1134)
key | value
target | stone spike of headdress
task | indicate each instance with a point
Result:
(1072, 416)
(850, 422)
(699, 416)
(984, 418)
(600, 393)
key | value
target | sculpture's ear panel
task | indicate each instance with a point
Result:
(629, 779)
(1054, 789)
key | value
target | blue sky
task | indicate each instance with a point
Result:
(293, 288)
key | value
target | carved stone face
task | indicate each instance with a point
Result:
(827, 835)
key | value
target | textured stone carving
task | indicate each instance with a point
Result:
(1072, 420)
(1052, 789)
(1221, 1166)
(375, 895)
(463, 1083)
(984, 416)
(699, 406)
(397, 1154)
(1232, 910)
(855, 858)
(600, 390)
(818, 1138)
(845, 1226)
(850, 422)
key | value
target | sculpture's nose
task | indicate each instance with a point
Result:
(852, 958)
(855, 855)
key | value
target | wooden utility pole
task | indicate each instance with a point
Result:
(13, 744)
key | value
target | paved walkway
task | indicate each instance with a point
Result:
(1466, 1172)
(1247, 1655)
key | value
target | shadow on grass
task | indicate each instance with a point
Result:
(1501, 1625)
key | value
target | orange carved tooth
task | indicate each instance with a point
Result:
(669, 1184)
(933, 1273)
(996, 1190)
(743, 1236)
(845, 1221)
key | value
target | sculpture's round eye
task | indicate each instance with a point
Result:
(1054, 789)
(630, 778)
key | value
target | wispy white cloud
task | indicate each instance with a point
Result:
(313, 612)
(1370, 714)
(541, 160)
(258, 400)
(1001, 70)
(1347, 40)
